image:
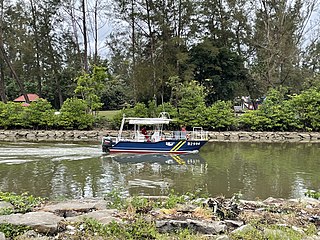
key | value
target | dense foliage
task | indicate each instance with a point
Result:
(279, 112)
(41, 115)
(147, 50)
(195, 56)
(20, 203)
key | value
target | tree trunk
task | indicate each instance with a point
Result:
(75, 31)
(95, 57)
(55, 72)
(2, 83)
(2, 86)
(6, 59)
(36, 39)
(19, 82)
(152, 48)
(85, 38)
(133, 51)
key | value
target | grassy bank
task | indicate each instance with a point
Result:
(109, 114)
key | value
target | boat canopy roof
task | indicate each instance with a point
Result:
(148, 121)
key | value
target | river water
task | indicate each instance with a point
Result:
(256, 170)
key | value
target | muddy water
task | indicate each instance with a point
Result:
(256, 170)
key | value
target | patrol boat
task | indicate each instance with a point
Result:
(154, 140)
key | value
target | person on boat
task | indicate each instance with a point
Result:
(145, 133)
(184, 134)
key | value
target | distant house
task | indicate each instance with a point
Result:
(32, 98)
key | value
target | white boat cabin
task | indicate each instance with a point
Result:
(151, 130)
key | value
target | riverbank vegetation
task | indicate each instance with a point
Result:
(186, 216)
(150, 54)
(280, 111)
(190, 58)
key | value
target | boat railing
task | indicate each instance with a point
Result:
(179, 135)
(199, 134)
(137, 136)
(196, 134)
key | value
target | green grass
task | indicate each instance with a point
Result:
(108, 114)
(21, 203)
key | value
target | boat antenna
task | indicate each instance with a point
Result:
(162, 103)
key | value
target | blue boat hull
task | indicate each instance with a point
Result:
(164, 146)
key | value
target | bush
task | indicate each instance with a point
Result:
(73, 115)
(277, 113)
(40, 114)
(221, 116)
(307, 109)
(192, 108)
(12, 115)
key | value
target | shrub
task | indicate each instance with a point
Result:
(307, 109)
(221, 115)
(12, 115)
(73, 115)
(191, 107)
(275, 114)
(40, 114)
(22, 203)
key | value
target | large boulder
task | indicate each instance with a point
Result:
(104, 216)
(203, 227)
(2, 236)
(42, 222)
(5, 205)
(75, 207)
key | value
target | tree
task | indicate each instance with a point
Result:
(158, 35)
(220, 70)
(2, 82)
(91, 85)
(85, 37)
(192, 109)
(6, 58)
(279, 29)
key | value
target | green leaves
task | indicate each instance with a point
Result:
(22, 203)
(307, 108)
(192, 104)
(74, 115)
(280, 112)
(12, 115)
(41, 115)
(90, 87)
(221, 116)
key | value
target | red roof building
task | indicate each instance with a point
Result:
(32, 98)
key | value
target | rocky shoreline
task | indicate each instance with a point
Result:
(210, 218)
(96, 136)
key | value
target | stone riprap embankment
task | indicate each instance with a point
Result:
(96, 135)
(215, 218)
(265, 136)
(54, 135)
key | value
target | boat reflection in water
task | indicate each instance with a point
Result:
(169, 159)
(157, 174)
